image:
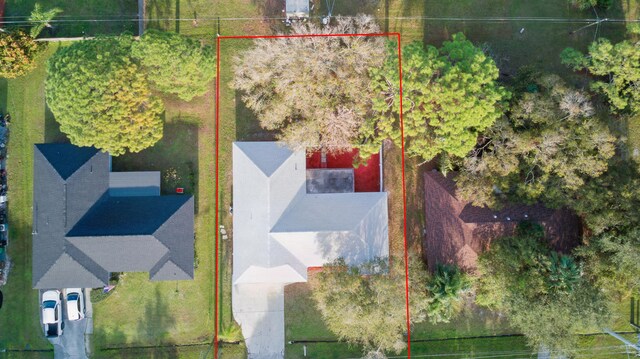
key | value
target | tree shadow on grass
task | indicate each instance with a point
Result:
(105, 340)
(247, 124)
(3, 95)
(52, 133)
(156, 325)
(158, 14)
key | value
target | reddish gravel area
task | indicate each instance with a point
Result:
(367, 177)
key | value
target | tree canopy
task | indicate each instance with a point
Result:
(612, 260)
(101, 98)
(543, 293)
(450, 95)
(617, 65)
(18, 53)
(364, 305)
(546, 148)
(314, 91)
(175, 64)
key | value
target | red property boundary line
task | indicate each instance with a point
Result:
(217, 139)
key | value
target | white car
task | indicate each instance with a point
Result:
(75, 303)
(52, 313)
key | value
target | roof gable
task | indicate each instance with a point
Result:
(66, 272)
(169, 271)
(66, 158)
(267, 156)
(121, 253)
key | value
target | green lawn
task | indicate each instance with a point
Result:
(243, 17)
(24, 99)
(81, 17)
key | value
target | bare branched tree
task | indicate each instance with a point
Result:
(315, 91)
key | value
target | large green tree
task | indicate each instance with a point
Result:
(18, 53)
(544, 294)
(613, 260)
(450, 95)
(547, 147)
(618, 69)
(176, 64)
(101, 98)
(365, 305)
(316, 91)
(611, 202)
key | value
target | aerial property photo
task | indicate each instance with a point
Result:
(328, 179)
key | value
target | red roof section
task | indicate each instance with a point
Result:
(457, 232)
(366, 177)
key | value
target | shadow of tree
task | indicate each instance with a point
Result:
(159, 13)
(52, 133)
(3, 95)
(157, 322)
(247, 124)
(103, 339)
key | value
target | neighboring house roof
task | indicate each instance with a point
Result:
(124, 184)
(82, 231)
(457, 232)
(280, 231)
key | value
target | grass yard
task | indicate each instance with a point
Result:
(19, 316)
(80, 17)
(240, 17)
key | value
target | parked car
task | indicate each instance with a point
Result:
(52, 313)
(75, 303)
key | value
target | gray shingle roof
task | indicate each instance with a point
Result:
(64, 158)
(81, 233)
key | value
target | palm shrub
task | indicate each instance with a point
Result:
(445, 289)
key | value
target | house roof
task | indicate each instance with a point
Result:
(129, 184)
(457, 231)
(81, 232)
(280, 230)
(274, 208)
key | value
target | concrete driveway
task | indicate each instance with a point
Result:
(259, 309)
(71, 344)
